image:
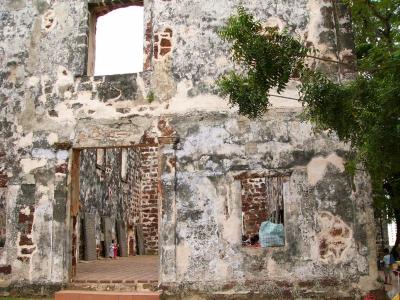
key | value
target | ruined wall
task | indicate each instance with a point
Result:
(329, 236)
(48, 106)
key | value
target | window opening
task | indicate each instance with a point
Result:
(124, 164)
(100, 158)
(263, 211)
(2, 220)
(116, 41)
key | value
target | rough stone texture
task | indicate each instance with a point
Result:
(50, 109)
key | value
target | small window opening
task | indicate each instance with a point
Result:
(2, 221)
(100, 158)
(124, 164)
(116, 41)
(263, 211)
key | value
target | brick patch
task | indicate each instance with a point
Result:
(24, 240)
(162, 43)
(254, 204)
(3, 180)
(5, 269)
(27, 250)
(62, 168)
(24, 258)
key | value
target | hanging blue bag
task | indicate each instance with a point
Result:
(391, 260)
(271, 234)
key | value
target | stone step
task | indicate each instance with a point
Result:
(101, 295)
(114, 287)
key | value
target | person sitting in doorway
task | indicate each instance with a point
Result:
(255, 241)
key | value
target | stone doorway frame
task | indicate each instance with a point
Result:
(123, 134)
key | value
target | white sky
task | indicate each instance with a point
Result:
(392, 230)
(119, 41)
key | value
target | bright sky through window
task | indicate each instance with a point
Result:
(119, 42)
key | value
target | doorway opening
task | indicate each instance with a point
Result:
(115, 209)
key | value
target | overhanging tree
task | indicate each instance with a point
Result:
(364, 112)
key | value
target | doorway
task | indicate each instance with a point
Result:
(115, 209)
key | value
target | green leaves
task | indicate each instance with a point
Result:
(364, 112)
(268, 59)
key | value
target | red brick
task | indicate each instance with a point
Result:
(23, 258)
(6, 270)
(27, 250)
(23, 218)
(3, 180)
(25, 240)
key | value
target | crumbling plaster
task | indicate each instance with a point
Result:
(49, 104)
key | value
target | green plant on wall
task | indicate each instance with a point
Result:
(268, 60)
(364, 112)
(151, 96)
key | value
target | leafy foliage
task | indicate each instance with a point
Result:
(269, 59)
(364, 112)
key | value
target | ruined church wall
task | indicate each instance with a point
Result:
(49, 105)
(329, 236)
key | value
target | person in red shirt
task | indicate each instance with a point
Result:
(115, 250)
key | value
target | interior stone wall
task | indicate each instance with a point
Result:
(133, 201)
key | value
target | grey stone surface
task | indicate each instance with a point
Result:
(49, 106)
(89, 223)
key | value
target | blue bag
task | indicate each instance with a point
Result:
(391, 260)
(271, 234)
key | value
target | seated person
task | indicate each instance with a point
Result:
(255, 241)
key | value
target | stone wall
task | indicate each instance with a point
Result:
(51, 109)
(329, 236)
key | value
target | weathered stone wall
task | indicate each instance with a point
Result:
(329, 236)
(48, 106)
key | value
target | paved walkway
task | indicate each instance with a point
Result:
(133, 269)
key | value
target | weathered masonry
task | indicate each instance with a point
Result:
(161, 149)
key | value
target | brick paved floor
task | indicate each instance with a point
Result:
(133, 269)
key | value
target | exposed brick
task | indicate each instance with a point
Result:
(6, 270)
(169, 31)
(24, 258)
(155, 51)
(165, 43)
(23, 218)
(62, 168)
(3, 180)
(24, 240)
(254, 204)
(27, 250)
(62, 145)
(165, 51)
